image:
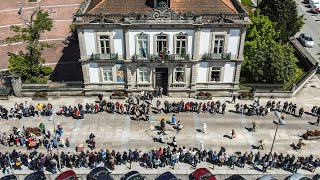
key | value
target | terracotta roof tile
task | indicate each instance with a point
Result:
(141, 6)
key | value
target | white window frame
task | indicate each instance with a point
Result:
(160, 40)
(108, 69)
(185, 40)
(183, 69)
(215, 69)
(104, 42)
(143, 38)
(145, 70)
(217, 48)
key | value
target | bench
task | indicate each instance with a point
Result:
(4, 93)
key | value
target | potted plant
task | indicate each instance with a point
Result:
(118, 95)
(40, 96)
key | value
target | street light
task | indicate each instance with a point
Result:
(51, 118)
(281, 122)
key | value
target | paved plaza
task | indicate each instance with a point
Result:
(120, 132)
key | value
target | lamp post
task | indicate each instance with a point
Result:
(51, 118)
(281, 122)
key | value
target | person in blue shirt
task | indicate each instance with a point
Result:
(174, 119)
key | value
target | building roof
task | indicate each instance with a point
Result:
(180, 6)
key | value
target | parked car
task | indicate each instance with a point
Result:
(316, 177)
(267, 177)
(67, 175)
(202, 174)
(235, 177)
(167, 176)
(133, 175)
(297, 176)
(311, 2)
(315, 8)
(39, 175)
(306, 39)
(99, 172)
(9, 177)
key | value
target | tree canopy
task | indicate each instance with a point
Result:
(27, 64)
(285, 13)
(265, 59)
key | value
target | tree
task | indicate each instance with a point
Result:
(28, 64)
(265, 59)
(285, 13)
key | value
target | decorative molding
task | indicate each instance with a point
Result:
(160, 14)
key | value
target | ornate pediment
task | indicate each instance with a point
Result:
(163, 12)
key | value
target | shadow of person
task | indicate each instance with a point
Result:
(254, 147)
(248, 129)
(198, 130)
(227, 136)
(312, 123)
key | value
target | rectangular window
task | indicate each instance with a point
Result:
(104, 42)
(218, 44)
(181, 45)
(161, 44)
(144, 75)
(142, 45)
(107, 74)
(215, 74)
(179, 74)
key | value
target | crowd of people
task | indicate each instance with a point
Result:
(161, 157)
(139, 107)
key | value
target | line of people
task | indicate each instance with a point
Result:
(155, 158)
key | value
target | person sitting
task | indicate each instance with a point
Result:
(179, 127)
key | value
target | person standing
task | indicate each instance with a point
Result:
(233, 99)
(254, 126)
(223, 108)
(161, 91)
(318, 121)
(204, 130)
(301, 111)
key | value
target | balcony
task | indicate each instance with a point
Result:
(103, 57)
(216, 56)
(156, 57)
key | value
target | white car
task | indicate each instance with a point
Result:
(311, 2)
(306, 39)
(297, 176)
(315, 8)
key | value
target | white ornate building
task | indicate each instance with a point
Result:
(184, 46)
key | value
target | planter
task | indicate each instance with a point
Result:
(204, 97)
(312, 137)
(117, 97)
(40, 98)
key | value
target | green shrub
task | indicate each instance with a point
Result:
(45, 70)
(34, 79)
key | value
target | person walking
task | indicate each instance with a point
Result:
(233, 99)
(261, 144)
(318, 121)
(301, 111)
(254, 126)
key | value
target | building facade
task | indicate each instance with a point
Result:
(183, 46)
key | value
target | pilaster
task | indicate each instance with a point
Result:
(196, 43)
(129, 75)
(126, 43)
(85, 72)
(241, 44)
(237, 73)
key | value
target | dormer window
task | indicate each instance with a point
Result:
(162, 3)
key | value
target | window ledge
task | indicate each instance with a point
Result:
(174, 83)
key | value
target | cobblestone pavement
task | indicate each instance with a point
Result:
(119, 132)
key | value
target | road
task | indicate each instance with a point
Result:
(311, 26)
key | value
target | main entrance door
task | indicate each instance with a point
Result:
(162, 79)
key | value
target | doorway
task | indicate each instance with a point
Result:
(162, 79)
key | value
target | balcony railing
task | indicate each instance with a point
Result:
(216, 56)
(156, 57)
(102, 57)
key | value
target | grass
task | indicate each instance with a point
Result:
(246, 3)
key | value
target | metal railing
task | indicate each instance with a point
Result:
(216, 56)
(98, 57)
(157, 57)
